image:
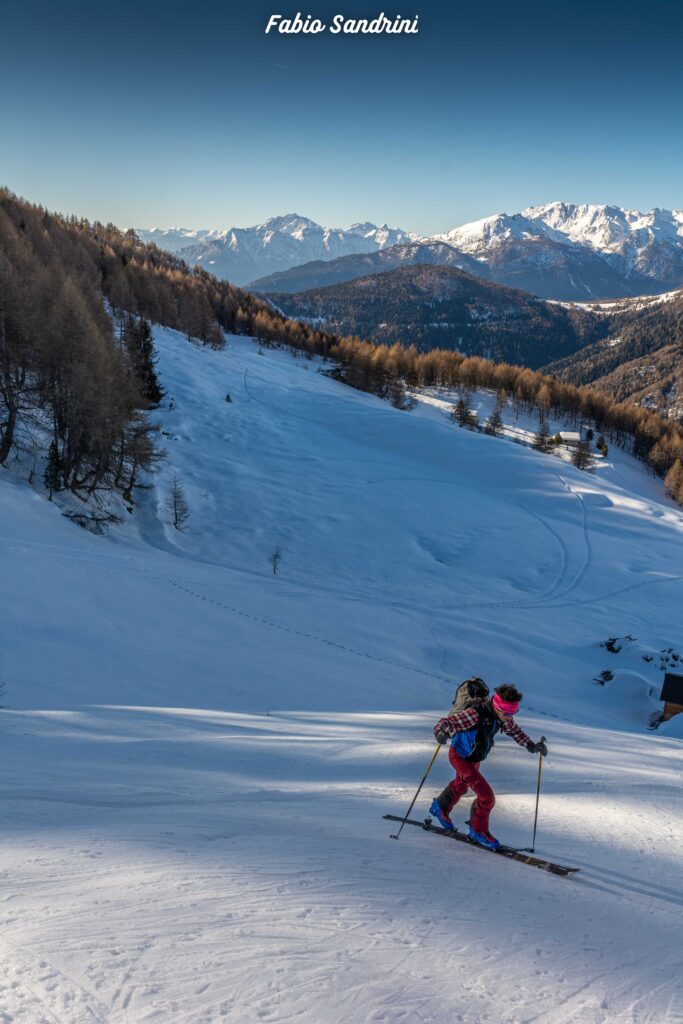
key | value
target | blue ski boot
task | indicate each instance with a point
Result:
(441, 816)
(484, 839)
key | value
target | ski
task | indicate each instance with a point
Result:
(502, 851)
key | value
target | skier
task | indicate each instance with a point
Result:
(471, 725)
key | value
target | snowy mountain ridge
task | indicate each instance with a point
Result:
(635, 244)
(610, 229)
(578, 252)
(477, 236)
(607, 229)
(242, 254)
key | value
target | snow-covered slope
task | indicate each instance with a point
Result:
(196, 753)
(243, 254)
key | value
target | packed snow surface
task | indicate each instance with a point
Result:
(197, 753)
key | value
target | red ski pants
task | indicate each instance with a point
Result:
(468, 776)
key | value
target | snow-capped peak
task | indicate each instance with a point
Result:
(289, 223)
(591, 248)
(482, 234)
(610, 229)
(243, 254)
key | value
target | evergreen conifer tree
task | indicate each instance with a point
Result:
(582, 456)
(53, 470)
(494, 424)
(177, 503)
(462, 412)
(140, 344)
(398, 397)
(542, 442)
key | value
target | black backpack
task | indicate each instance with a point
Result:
(470, 693)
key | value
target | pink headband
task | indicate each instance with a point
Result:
(508, 707)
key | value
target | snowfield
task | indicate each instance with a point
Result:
(197, 753)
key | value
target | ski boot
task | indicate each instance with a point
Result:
(484, 839)
(441, 815)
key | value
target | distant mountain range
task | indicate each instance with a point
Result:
(557, 251)
(241, 254)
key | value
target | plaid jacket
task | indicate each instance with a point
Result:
(461, 721)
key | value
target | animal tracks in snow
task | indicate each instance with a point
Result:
(305, 635)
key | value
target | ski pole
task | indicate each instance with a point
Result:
(538, 793)
(424, 779)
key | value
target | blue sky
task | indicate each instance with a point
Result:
(188, 114)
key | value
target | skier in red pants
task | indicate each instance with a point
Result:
(471, 732)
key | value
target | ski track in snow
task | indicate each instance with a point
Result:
(621, 590)
(586, 540)
(197, 757)
(555, 589)
(564, 555)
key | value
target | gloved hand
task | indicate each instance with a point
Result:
(538, 748)
(441, 731)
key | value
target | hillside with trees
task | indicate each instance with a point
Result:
(76, 374)
(322, 273)
(73, 385)
(640, 361)
(442, 307)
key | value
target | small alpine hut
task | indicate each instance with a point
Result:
(672, 695)
(571, 438)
